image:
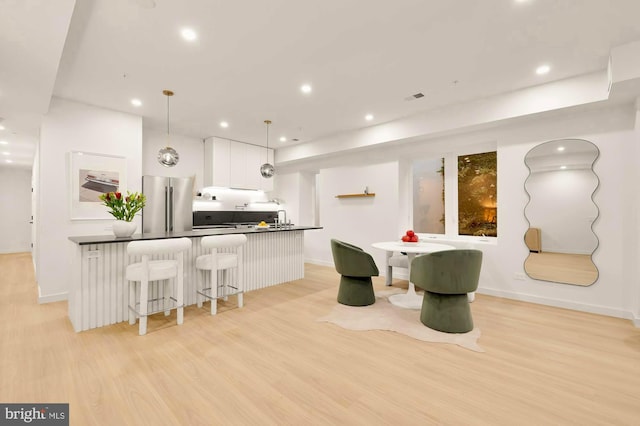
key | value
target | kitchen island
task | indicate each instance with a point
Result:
(98, 292)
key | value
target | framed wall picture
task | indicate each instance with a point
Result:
(90, 176)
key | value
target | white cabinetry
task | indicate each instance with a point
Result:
(216, 162)
(235, 164)
(237, 167)
(256, 156)
(252, 165)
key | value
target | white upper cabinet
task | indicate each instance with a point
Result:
(235, 164)
(253, 155)
(216, 162)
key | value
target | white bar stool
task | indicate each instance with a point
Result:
(217, 261)
(155, 270)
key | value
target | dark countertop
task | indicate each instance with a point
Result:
(107, 239)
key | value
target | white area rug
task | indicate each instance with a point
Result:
(382, 315)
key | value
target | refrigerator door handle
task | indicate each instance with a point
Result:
(171, 207)
(166, 209)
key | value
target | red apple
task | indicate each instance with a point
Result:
(406, 238)
(414, 239)
(410, 233)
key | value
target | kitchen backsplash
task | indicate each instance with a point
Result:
(203, 219)
(227, 199)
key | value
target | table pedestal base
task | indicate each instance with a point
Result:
(409, 300)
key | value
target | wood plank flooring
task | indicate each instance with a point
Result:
(272, 363)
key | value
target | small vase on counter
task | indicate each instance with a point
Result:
(122, 228)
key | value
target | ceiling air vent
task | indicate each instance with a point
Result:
(415, 96)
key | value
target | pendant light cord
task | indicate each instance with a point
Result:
(168, 94)
(267, 122)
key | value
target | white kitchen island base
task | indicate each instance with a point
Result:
(99, 295)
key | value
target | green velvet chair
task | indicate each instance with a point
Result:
(446, 277)
(356, 267)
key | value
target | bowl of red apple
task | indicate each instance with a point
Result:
(410, 238)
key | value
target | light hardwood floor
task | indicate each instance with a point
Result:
(272, 363)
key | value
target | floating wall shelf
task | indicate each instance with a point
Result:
(371, 194)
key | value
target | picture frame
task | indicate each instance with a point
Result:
(91, 175)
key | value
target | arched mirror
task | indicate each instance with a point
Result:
(561, 212)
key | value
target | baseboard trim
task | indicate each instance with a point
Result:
(636, 320)
(396, 275)
(50, 298)
(584, 307)
(319, 262)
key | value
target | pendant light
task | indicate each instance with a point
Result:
(168, 156)
(267, 170)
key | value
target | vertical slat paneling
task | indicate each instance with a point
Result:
(122, 290)
(92, 291)
(75, 292)
(113, 285)
(84, 289)
(101, 297)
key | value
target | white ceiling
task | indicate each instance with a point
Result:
(251, 56)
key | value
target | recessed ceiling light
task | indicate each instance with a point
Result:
(561, 148)
(188, 34)
(8, 161)
(4, 143)
(543, 69)
(563, 167)
(1, 127)
(224, 124)
(136, 102)
(368, 117)
(283, 139)
(305, 88)
(6, 153)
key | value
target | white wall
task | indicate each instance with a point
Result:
(15, 213)
(610, 128)
(632, 175)
(296, 191)
(35, 185)
(358, 221)
(71, 126)
(606, 294)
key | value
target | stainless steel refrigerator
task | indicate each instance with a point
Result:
(169, 205)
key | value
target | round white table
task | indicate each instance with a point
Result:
(410, 299)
